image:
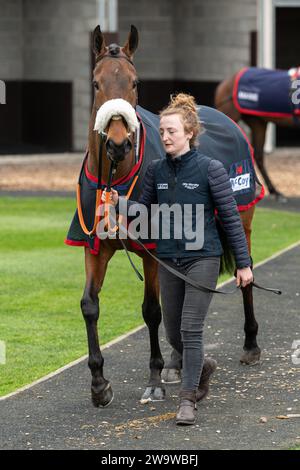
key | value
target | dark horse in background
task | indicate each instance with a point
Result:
(225, 100)
(115, 77)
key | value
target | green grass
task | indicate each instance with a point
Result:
(41, 283)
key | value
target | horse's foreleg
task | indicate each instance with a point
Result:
(252, 351)
(102, 394)
(152, 317)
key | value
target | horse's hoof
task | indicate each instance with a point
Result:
(171, 376)
(153, 394)
(251, 358)
(103, 398)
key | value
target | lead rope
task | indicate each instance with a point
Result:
(92, 232)
(186, 278)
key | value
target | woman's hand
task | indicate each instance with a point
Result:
(244, 277)
(114, 196)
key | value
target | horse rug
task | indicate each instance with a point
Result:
(265, 92)
(221, 139)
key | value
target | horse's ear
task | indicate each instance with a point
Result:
(132, 42)
(98, 41)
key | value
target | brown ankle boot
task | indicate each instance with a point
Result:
(187, 409)
(209, 367)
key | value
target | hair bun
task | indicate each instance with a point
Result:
(183, 100)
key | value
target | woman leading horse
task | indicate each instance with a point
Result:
(112, 157)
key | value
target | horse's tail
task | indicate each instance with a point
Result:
(227, 259)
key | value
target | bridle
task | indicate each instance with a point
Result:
(111, 55)
(112, 170)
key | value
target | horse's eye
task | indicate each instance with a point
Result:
(96, 85)
(135, 82)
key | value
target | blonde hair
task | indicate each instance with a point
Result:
(185, 105)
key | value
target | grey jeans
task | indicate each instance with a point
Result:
(184, 310)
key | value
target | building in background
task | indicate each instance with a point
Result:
(185, 45)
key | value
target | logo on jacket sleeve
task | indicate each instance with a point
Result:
(162, 186)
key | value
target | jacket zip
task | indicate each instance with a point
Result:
(174, 201)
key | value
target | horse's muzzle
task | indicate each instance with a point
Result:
(116, 152)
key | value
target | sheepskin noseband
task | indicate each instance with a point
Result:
(115, 107)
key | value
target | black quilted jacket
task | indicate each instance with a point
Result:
(194, 178)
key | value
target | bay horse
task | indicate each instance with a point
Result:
(223, 101)
(114, 78)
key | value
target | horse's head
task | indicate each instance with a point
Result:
(115, 83)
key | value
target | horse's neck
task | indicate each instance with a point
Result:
(123, 168)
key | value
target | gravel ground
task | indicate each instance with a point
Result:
(59, 172)
(51, 172)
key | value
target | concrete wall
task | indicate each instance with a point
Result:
(49, 40)
(154, 19)
(190, 39)
(193, 40)
(213, 39)
(56, 48)
(11, 40)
